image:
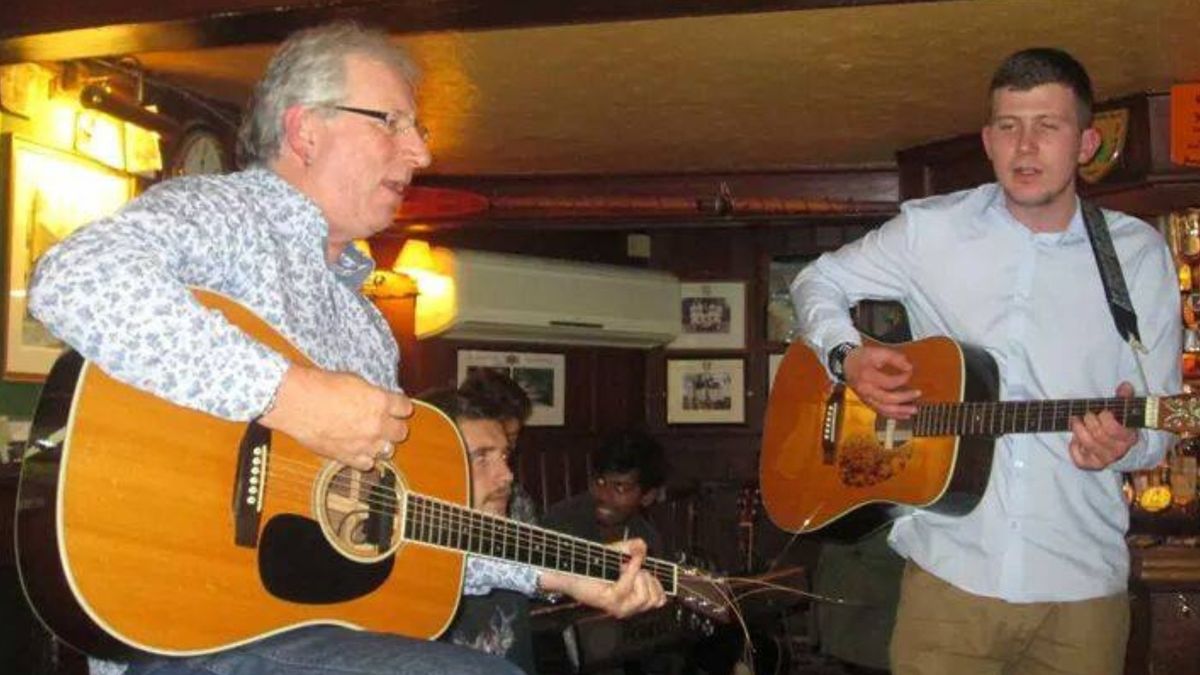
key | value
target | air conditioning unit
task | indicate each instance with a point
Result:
(476, 295)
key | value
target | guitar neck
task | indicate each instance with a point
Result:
(993, 418)
(448, 525)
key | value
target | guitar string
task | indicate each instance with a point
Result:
(948, 417)
(498, 530)
(462, 516)
(427, 525)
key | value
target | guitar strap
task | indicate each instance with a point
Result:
(1115, 290)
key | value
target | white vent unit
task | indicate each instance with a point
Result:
(476, 295)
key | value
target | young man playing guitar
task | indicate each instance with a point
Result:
(331, 141)
(1033, 579)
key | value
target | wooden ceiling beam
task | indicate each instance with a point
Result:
(36, 30)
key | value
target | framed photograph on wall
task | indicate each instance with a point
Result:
(712, 315)
(542, 376)
(50, 194)
(706, 391)
(773, 361)
(782, 325)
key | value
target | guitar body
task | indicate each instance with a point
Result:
(843, 479)
(134, 534)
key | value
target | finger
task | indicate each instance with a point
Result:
(890, 358)
(1082, 445)
(1125, 390)
(1077, 456)
(395, 430)
(625, 582)
(1119, 433)
(400, 406)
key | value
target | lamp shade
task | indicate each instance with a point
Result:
(415, 255)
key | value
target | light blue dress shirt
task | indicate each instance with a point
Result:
(962, 266)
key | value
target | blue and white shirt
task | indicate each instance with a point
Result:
(962, 266)
(117, 291)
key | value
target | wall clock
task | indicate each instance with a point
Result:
(199, 151)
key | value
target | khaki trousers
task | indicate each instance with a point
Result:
(942, 630)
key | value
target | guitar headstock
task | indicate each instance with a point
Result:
(704, 594)
(1179, 414)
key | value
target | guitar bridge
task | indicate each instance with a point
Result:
(249, 484)
(831, 423)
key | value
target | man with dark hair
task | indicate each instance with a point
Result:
(503, 399)
(1034, 578)
(628, 472)
(496, 623)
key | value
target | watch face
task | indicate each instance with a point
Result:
(200, 152)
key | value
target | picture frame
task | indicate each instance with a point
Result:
(882, 320)
(773, 361)
(48, 195)
(542, 376)
(782, 326)
(712, 315)
(706, 391)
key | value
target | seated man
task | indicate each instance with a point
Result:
(501, 398)
(628, 472)
(496, 623)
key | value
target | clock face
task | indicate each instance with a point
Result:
(199, 152)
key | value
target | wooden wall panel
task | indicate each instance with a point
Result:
(611, 389)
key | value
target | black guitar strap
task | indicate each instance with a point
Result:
(1115, 290)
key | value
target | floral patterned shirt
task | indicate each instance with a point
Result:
(117, 291)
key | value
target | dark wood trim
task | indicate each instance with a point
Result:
(40, 31)
(577, 202)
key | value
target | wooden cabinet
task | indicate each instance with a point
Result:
(1164, 591)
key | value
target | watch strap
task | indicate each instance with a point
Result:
(836, 360)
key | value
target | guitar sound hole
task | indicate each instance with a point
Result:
(360, 511)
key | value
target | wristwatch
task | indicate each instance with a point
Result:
(837, 360)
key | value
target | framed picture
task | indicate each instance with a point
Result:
(782, 325)
(773, 361)
(706, 391)
(542, 376)
(712, 315)
(49, 194)
(882, 320)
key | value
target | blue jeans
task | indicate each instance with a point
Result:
(325, 650)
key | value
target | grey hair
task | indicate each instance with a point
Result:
(309, 69)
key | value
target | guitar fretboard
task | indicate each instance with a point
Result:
(439, 523)
(993, 418)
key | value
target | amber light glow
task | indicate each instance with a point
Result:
(436, 297)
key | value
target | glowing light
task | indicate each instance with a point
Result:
(100, 137)
(414, 256)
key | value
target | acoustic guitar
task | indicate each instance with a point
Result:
(829, 463)
(143, 526)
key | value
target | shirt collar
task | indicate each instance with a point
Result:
(352, 267)
(996, 209)
(294, 213)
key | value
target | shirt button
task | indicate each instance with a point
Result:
(1019, 463)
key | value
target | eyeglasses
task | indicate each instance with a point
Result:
(396, 123)
(621, 487)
